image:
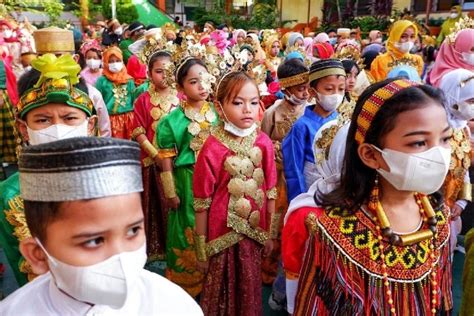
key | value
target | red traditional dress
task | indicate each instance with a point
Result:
(149, 109)
(343, 272)
(233, 180)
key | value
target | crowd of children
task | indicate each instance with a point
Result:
(334, 169)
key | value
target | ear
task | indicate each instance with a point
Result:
(23, 130)
(371, 157)
(91, 125)
(219, 110)
(35, 256)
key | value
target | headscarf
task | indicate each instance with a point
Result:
(122, 76)
(321, 38)
(450, 56)
(405, 71)
(308, 46)
(293, 38)
(457, 88)
(236, 33)
(269, 43)
(394, 36)
(449, 23)
(259, 53)
(373, 35)
(325, 50)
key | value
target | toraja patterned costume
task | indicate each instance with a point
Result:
(277, 122)
(297, 149)
(233, 180)
(148, 110)
(8, 99)
(181, 135)
(343, 272)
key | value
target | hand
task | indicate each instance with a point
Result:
(203, 266)
(173, 203)
(268, 247)
(456, 211)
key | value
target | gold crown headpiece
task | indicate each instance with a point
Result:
(405, 61)
(350, 52)
(463, 23)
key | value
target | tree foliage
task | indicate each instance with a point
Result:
(52, 8)
(126, 11)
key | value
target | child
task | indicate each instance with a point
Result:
(364, 255)
(87, 240)
(276, 123)
(92, 55)
(149, 109)
(181, 136)
(327, 84)
(116, 87)
(234, 189)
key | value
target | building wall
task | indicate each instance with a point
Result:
(298, 9)
(401, 4)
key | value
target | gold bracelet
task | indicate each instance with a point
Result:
(150, 149)
(200, 244)
(275, 225)
(168, 184)
(466, 192)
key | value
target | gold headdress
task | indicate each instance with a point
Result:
(463, 23)
(350, 52)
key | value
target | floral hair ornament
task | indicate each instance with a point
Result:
(55, 85)
(375, 102)
(87, 46)
(350, 52)
(463, 23)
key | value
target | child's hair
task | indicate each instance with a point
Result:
(156, 56)
(349, 64)
(429, 54)
(356, 178)
(28, 80)
(229, 87)
(39, 215)
(291, 68)
(184, 68)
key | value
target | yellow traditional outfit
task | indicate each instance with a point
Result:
(383, 63)
(448, 25)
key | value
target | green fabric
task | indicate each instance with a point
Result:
(173, 133)
(125, 51)
(106, 88)
(446, 28)
(9, 190)
(148, 14)
(139, 90)
(467, 306)
(3, 76)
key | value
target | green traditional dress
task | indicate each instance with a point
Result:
(139, 90)
(125, 51)
(13, 228)
(182, 134)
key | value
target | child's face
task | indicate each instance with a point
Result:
(52, 114)
(300, 91)
(275, 49)
(157, 72)
(192, 86)
(351, 79)
(242, 111)
(92, 55)
(331, 85)
(90, 231)
(240, 38)
(417, 131)
(114, 59)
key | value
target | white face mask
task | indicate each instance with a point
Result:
(294, 100)
(115, 67)
(404, 47)
(28, 68)
(7, 33)
(237, 131)
(465, 110)
(93, 63)
(118, 31)
(330, 102)
(418, 172)
(468, 58)
(453, 15)
(57, 132)
(378, 40)
(105, 283)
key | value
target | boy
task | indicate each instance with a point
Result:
(82, 206)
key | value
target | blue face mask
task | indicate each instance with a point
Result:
(333, 41)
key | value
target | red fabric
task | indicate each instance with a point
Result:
(210, 180)
(121, 125)
(11, 81)
(325, 50)
(136, 69)
(294, 237)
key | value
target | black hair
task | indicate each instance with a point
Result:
(156, 56)
(429, 54)
(349, 64)
(82, 58)
(150, 26)
(183, 69)
(290, 68)
(28, 80)
(330, 30)
(39, 215)
(356, 178)
(369, 56)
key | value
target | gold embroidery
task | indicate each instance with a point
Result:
(120, 96)
(138, 131)
(311, 222)
(200, 124)
(272, 193)
(200, 204)
(223, 242)
(275, 225)
(167, 153)
(16, 217)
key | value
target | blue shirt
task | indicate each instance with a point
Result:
(297, 148)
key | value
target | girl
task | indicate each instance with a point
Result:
(92, 54)
(400, 41)
(234, 189)
(181, 136)
(116, 87)
(327, 84)
(383, 220)
(352, 71)
(149, 109)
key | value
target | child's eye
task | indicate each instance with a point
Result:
(418, 144)
(133, 231)
(446, 139)
(94, 243)
(42, 121)
(255, 103)
(71, 118)
(236, 103)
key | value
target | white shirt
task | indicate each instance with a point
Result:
(154, 295)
